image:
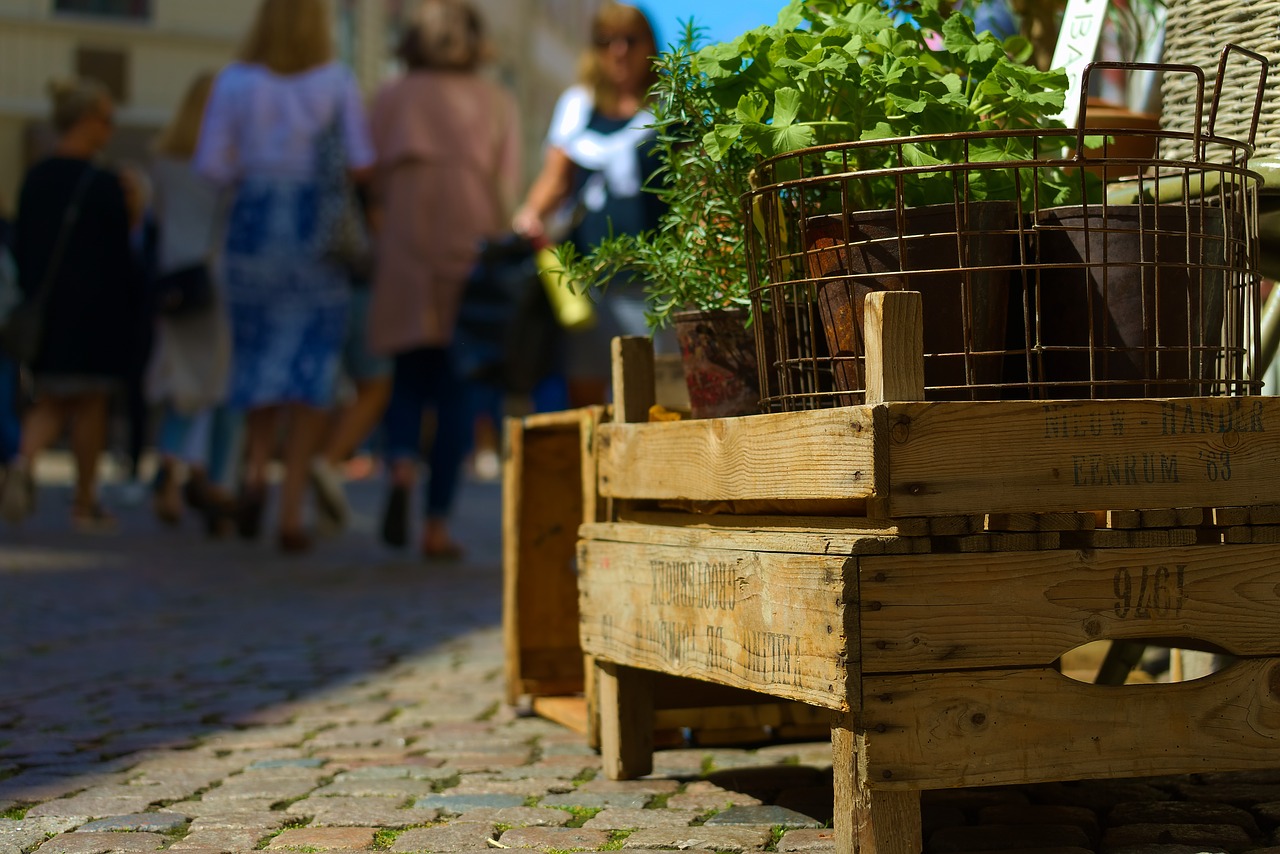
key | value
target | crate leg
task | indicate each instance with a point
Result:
(626, 720)
(867, 820)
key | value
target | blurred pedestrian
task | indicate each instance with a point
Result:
(268, 116)
(187, 373)
(599, 154)
(10, 377)
(448, 146)
(138, 197)
(72, 237)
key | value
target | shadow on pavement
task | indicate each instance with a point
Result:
(147, 638)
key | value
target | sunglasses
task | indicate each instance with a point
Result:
(629, 40)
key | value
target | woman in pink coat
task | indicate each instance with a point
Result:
(447, 173)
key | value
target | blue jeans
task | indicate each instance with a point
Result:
(10, 421)
(422, 378)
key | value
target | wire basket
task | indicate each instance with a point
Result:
(1193, 33)
(1039, 279)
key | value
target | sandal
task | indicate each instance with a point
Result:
(166, 497)
(294, 541)
(448, 553)
(249, 509)
(395, 520)
(18, 494)
(92, 518)
(331, 501)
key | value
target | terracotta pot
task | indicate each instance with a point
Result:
(720, 367)
(1129, 304)
(960, 268)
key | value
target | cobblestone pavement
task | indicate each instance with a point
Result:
(162, 691)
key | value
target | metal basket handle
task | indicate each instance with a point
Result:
(1263, 64)
(1161, 67)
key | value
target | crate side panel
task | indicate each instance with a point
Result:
(808, 456)
(927, 612)
(1006, 727)
(771, 623)
(1015, 457)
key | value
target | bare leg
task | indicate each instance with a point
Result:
(357, 420)
(43, 424)
(260, 443)
(88, 438)
(306, 427)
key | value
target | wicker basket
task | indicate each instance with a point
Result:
(1195, 34)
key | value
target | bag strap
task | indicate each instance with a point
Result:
(69, 218)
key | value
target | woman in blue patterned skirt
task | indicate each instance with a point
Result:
(266, 118)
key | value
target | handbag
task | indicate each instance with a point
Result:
(23, 328)
(185, 291)
(344, 238)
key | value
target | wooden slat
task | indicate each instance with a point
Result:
(957, 611)
(1143, 538)
(793, 534)
(867, 819)
(626, 720)
(569, 712)
(756, 717)
(893, 334)
(633, 378)
(807, 456)
(1005, 727)
(542, 509)
(1013, 456)
(1040, 522)
(1252, 534)
(767, 622)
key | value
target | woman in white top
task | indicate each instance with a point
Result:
(267, 116)
(187, 372)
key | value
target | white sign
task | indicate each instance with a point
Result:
(1077, 44)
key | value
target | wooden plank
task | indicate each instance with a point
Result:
(955, 457)
(1252, 534)
(588, 422)
(1170, 517)
(798, 534)
(1143, 538)
(758, 716)
(1009, 727)
(626, 720)
(569, 712)
(957, 611)
(1000, 541)
(869, 820)
(1261, 514)
(893, 333)
(1040, 522)
(807, 456)
(633, 378)
(542, 510)
(768, 622)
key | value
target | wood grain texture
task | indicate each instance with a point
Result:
(814, 535)
(768, 622)
(1003, 727)
(893, 332)
(1017, 457)
(817, 455)
(542, 508)
(626, 720)
(956, 611)
(869, 820)
(633, 377)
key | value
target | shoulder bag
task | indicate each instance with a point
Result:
(344, 239)
(23, 330)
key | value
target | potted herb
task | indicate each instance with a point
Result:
(827, 71)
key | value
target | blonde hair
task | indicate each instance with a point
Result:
(443, 34)
(73, 100)
(610, 17)
(179, 137)
(289, 36)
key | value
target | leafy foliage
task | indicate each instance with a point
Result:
(827, 71)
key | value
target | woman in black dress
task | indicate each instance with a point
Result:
(86, 347)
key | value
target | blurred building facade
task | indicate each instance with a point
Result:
(147, 51)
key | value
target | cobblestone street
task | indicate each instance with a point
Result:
(160, 690)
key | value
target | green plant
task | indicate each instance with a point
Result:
(826, 71)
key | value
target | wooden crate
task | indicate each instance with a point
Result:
(958, 554)
(548, 492)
